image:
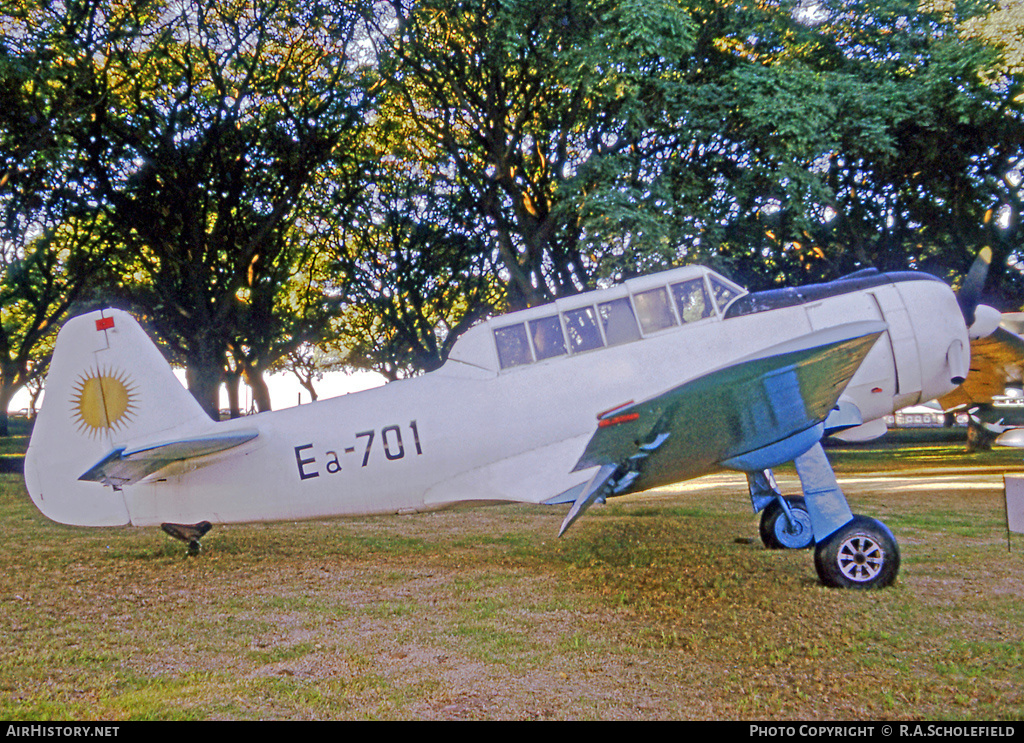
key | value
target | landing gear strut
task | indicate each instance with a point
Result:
(785, 522)
(855, 551)
(850, 551)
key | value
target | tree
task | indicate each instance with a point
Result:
(869, 135)
(920, 192)
(286, 308)
(411, 275)
(502, 153)
(308, 363)
(49, 246)
(40, 282)
(779, 141)
(514, 104)
(204, 123)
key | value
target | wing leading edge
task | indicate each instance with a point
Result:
(757, 413)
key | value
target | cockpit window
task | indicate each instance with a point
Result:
(653, 310)
(722, 292)
(618, 321)
(692, 300)
(648, 308)
(548, 340)
(581, 327)
(513, 346)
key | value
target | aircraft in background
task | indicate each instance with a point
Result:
(999, 421)
(662, 378)
(992, 394)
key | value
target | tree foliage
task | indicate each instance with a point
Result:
(201, 126)
(780, 141)
(517, 104)
(40, 283)
(410, 288)
(49, 247)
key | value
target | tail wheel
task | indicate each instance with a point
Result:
(780, 532)
(862, 554)
(188, 533)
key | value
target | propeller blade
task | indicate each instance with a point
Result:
(974, 285)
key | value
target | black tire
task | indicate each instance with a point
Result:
(863, 554)
(776, 531)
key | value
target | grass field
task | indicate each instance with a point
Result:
(662, 606)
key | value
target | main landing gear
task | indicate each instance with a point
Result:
(856, 552)
(785, 521)
(862, 554)
(786, 524)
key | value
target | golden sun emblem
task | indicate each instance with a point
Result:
(103, 401)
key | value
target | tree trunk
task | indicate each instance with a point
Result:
(204, 384)
(308, 385)
(231, 382)
(6, 393)
(260, 391)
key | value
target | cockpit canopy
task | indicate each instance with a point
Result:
(628, 312)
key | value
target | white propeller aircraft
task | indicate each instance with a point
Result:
(662, 378)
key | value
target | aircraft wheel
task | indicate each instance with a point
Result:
(863, 554)
(778, 533)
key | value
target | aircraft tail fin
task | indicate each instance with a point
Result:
(108, 387)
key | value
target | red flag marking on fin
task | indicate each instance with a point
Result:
(105, 323)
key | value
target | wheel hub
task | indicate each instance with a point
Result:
(860, 558)
(794, 531)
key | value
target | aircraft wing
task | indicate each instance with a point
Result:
(754, 414)
(124, 466)
(997, 361)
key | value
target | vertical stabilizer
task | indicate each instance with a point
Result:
(108, 387)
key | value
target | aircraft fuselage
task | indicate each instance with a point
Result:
(510, 413)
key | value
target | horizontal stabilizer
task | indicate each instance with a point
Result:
(128, 466)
